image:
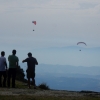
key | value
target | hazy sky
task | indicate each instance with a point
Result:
(60, 23)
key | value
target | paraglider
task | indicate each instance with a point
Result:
(34, 22)
(81, 43)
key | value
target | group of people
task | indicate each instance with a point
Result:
(10, 72)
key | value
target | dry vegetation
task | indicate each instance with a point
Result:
(21, 92)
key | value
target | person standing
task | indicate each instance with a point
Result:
(3, 69)
(13, 64)
(31, 62)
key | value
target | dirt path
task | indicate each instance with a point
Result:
(36, 92)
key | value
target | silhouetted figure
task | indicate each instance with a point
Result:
(31, 62)
(13, 64)
(3, 69)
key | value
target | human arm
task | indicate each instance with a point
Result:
(36, 63)
(17, 62)
(5, 63)
(25, 60)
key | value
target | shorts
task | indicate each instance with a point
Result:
(30, 73)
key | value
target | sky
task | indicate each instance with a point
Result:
(60, 23)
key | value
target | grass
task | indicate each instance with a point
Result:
(27, 97)
(21, 85)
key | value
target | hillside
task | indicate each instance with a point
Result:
(55, 93)
(68, 77)
(21, 91)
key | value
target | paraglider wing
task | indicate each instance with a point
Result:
(34, 22)
(81, 43)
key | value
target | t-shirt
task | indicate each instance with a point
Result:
(2, 63)
(31, 62)
(12, 61)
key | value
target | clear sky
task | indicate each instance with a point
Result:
(60, 23)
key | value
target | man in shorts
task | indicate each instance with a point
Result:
(31, 62)
(3, 69)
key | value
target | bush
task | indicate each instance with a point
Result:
(20, 74)
(43, 86)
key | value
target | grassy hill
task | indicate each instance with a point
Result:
(21, 92)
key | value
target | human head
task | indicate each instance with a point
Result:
(14, 52)
(29, 54)
(2, 53)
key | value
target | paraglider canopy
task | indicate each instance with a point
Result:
(34, 22)
(81, 43)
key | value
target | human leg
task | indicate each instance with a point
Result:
(0, 79)
(13, 77)
(4, 80)
(29, 82)
(33, 79)
(9, 77)
(28, 77)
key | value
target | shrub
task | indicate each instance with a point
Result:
(20, 74)
(43, 86)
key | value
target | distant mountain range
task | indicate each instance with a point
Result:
(70, 47)
(67, 77)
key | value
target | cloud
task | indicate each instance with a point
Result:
(50, 4)
(58, 21)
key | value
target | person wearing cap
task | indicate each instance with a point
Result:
(31, 62)
(3, 69)
(13, 64)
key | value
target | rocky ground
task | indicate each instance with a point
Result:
(56, 93)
